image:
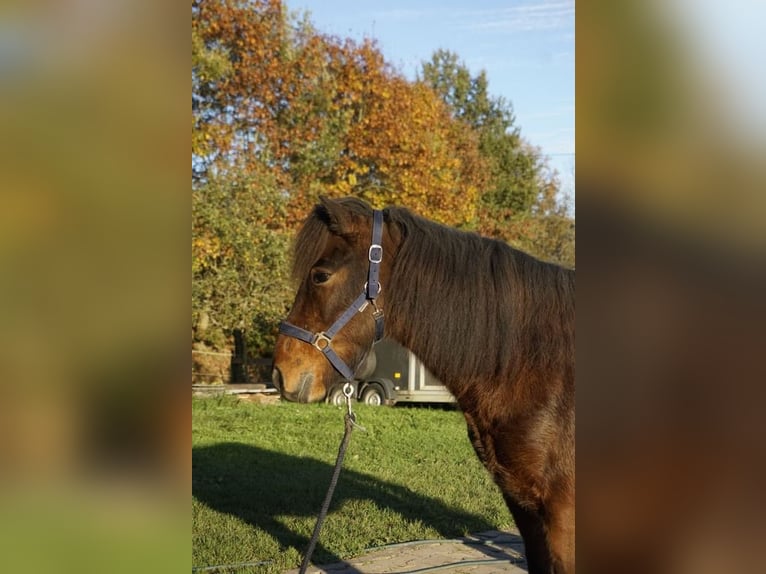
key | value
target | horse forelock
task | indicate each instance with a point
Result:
(311, 240)
(309, 245)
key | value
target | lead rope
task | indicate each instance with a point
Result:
(350, 423)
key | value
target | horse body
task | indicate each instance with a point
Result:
(495, 325)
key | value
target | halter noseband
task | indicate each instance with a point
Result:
(322, 340)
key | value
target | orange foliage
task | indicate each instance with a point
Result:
(328, 116)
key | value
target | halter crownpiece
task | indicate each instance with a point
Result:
(322, 340)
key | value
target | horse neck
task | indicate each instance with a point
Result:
(429, 308)
(473, 309)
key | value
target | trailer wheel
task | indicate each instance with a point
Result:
(373, 395)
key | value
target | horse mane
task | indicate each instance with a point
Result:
(467, 305)
(477, 307)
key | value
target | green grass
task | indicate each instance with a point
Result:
(260, 473)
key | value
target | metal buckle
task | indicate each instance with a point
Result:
(377, 250)
(371, 295)
(321, 341)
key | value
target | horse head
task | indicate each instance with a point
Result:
(333, 321)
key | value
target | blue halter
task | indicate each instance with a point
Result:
(322, 340)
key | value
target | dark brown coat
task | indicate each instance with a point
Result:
(495, 325)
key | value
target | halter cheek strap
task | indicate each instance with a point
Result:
(372, 287)
(322, 340)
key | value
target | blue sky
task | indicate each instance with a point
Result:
(727, 44)
(526, 47)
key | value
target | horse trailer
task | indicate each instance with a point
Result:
(392, 374)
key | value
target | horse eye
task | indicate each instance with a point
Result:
(320, 277)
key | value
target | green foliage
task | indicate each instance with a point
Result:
(515, 168)
(520, 203)
(468, 97)
(240, 253)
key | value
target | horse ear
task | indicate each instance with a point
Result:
(336, 216)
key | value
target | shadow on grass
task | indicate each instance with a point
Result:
(258, 485)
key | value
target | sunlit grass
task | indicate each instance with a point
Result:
(261, 472)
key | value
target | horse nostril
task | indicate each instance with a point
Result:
(276, 379)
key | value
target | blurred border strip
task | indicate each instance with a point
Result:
(671, 265)
(94, 292)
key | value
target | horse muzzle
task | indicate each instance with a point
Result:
(301, 393)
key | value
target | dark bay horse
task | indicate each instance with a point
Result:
(494, 324)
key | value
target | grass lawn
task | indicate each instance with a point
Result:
(260, 473)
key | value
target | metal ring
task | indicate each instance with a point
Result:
(321, 341)
(348, 390)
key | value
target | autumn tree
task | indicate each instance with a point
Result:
(210, 66)
(325, 115)
(281, 114)
(399, 143)
(521, 201)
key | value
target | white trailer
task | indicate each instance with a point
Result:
(393, 374)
